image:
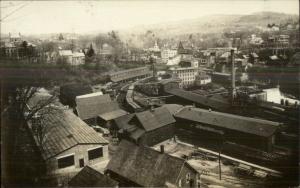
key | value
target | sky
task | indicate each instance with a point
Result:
(37, 17)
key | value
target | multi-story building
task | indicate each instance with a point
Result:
(72, 58)
(255, 40)
(202, 79)
(174, 60)
(78, 58)
(186, 74)
(283, 39)
(166, 54)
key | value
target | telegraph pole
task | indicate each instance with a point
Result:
(233, 91)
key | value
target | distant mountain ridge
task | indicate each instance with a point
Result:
(215, 23)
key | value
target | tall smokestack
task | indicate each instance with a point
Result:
(233, 92)
(162, 149)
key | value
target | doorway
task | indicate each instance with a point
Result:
(81, 163)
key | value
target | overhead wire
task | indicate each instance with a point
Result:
(14, 11)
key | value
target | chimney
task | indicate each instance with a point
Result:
(233, 92)
(162, 149)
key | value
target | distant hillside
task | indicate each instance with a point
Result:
(215, 23)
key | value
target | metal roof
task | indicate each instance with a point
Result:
(243, 124)
(65, 130)
(94, 105)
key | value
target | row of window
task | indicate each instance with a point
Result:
(126, 74)
(70, 160)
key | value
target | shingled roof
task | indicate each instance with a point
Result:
(91, 106)
(64, 131)
(155, 118)
(146, 166)
(89, 177)
(248, 125)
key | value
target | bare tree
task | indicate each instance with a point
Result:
(40, 124)
(22, 98)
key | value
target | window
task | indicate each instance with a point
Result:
(179, 183)
(188, 177)
(65, 161)
(95, 153)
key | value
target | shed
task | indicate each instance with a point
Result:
(90, 107)
(143, 166)
(89, 177)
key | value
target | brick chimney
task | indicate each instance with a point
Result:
(162, 149)
(152, 108)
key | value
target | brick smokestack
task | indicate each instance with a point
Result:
(162, 149)
(233, 91)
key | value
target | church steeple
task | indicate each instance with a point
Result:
(180, 48)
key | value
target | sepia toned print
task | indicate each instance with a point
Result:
(164, 93)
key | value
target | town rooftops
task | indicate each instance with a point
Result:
(155, 118)
(89, 177)
(65, 53)
(92, 105)
(64, 131)
(78, 54)
(14, 35)
(146, 166)
(243, 124)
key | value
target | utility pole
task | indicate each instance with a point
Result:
(220, 149)
(233, 91)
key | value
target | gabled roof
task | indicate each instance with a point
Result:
(156, 118)
(89, 177)
(90, 106)
(113, 114)
(65, 130)
(228, 121)
(146, 166)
